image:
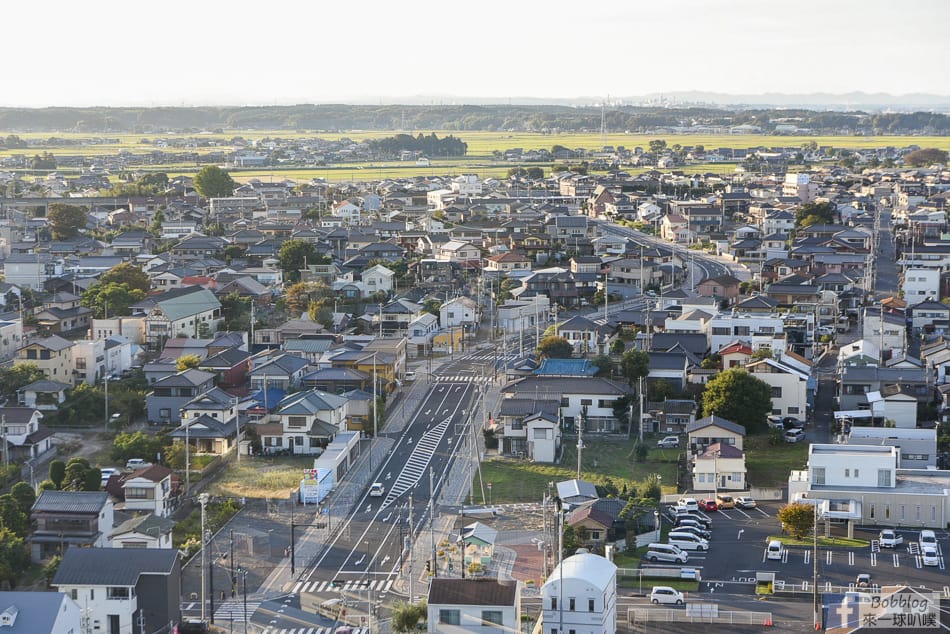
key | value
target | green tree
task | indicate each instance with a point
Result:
(925, 156)
(657, 145)
(136, 445)
(111, 299)
(57, 473)
(634, 365)
(294, 255)
(298, 296)
(49, 570)
(93, 479)
(554, 347)
(233, 251)
(66, 220)
(11, 517)
(815, 214)
(617, 347)
(797, 518)
(14, 558)
(651, 488)
(214, 182)
(48, 485)
(406, 616)
(75, 479)
(761, 353)
(24, 495)
(15, 377)
(187, 362)
(132, 276)
(603, 364)
(740, 397)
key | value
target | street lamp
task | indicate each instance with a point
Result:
(243, 573)
(656, 523)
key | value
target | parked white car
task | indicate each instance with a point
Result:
(930, 556)
(377, 490)
(890, 539)
(690, 504)
(666, 595)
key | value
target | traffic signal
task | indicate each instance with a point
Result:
(428, 565)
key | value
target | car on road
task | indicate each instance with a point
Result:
(927, 538)
(666, 552)
(890, 539)
(410, 376)
(863, 580)
(930, 556)
(107, 472)
(708, 505)
(725, 502)
(377, 490)
(745, 502)
(668, 442)
(666, 595)
(136, 463)
(824, 331)
(774, 550)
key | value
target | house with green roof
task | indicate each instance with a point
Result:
(184, 312)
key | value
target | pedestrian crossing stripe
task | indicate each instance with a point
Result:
(463, 378)
(235, 611)
(315, 630)
(317, 587)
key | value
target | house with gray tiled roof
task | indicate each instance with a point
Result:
(123, 587)
(70, 518)
(714, 429)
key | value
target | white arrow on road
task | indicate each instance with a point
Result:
(369, 508)
(357, 563)
(389, 475)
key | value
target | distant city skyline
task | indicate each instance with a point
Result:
(175, 53)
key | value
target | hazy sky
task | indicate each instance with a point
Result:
(111, 53)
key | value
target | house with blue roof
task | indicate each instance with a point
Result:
(566, 367)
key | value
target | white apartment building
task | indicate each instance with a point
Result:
(89, 361)
(789, 386)
(919, 284)
(863, 484)
(581, 593)
(759, 330)
(11, 338)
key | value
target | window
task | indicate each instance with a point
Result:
(117, 593)
(793, 410)
(855, 473)
(74, 593)
(296, 421)
(776, 392)
(491, 616)
(565, 402)
(594, 535)
(818, 475)
(164, 413)
(80, 363)
(553, 603)
(847, 472)
(587, 402)
(540, 434)
(31, 354)
(449, 617)
(590, 605)
(572, 604)
(298, 440)
(883, 477)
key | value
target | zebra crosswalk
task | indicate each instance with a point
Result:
(315, 630)
(235, 611)
(381, 586)
(463, 378)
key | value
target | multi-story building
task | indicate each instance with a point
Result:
(581, 593)
(53, 355)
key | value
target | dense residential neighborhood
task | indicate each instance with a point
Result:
(759, 341)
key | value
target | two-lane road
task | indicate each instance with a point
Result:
(367, 550)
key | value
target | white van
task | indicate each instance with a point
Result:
(927, 538)
(774, 550)
(687, 541)
(666, 552)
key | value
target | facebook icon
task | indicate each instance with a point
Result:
(842, 611)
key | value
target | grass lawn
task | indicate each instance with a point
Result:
(788, 540)
(522, 481)
(261, 477)
(768, 465)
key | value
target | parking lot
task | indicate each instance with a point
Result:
(737, 552)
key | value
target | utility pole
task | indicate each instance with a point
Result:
(410, 542)
(105, 379)
(187, 457)
(250, 344)
(580, 445)
(237, 427)
(814, 556)
(435, 569)
(380, 320)
(203, 501)
(375, 414)
(606, 293)
(231, 558)
(640, 399)
(3, 428)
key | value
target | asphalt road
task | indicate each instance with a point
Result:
(367, 551)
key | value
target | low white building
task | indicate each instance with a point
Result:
(789, 386)
(863, 485)
(919, 284)
(11, 338)
(580, 596)
(473, 605)
(458, 312)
